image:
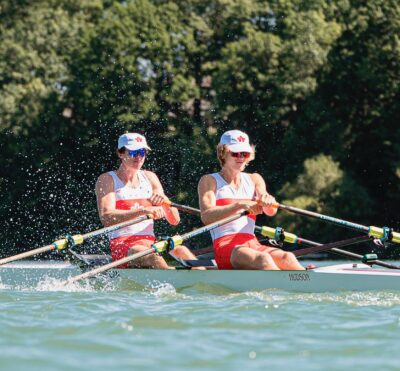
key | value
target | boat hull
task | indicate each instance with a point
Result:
(336, 278)
(343, 277)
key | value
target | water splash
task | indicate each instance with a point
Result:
(158, 288)
(54, 284)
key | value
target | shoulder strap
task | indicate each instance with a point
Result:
(143, 178)
(246, 177)
(249, 184)
(117, 182)
(219, 180)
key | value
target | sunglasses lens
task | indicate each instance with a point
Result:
(240, 154)
(137, 152)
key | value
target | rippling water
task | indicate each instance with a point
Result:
(116, 327)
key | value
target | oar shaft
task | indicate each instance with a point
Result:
(106, 267)
(327, 218)
(115, 227)
(214, 225)
(27, 254)
(77, 240)
(317, 247)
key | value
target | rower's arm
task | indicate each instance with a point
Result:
(171, 213)
(263, 195)
(106, 202)
(210, 212)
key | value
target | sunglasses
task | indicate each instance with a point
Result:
(137, 152)
(240, 154)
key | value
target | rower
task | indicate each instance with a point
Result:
(130, 192)
(232, 191)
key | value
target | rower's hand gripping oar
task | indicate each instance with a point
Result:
(157, 247)
(384, 233)
(72, 240)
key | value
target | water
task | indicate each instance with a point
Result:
(116, 327)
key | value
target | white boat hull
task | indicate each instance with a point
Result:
(343, 277)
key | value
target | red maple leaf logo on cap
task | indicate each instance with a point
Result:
(138, 139)
(241, 139)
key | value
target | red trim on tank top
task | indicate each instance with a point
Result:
(128, 204)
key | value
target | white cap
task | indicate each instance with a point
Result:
(237, 141)
(132, 141)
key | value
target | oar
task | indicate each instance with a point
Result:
(377, 232)
(188, 209)
(157, 247)
(318, 247)
(74, 240)
(294, 239)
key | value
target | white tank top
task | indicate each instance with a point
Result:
(129, 198)
(225, 194)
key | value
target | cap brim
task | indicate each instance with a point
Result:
(240, 147)
(137, 146)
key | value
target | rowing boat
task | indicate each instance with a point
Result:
(340, 277)
(345, 277)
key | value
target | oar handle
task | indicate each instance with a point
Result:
(188, 209)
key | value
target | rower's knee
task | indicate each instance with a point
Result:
(289, 261)
(244, 258)
(183, 252)
(179, 250)
(288, 257)
(264, 261)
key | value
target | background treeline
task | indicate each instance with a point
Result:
(314, 83)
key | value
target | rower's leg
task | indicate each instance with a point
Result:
(154, 261)
(285, 260)
(184, 253)
(246, 258)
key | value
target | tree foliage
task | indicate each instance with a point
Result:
(315, 84)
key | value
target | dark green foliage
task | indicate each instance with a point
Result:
(315, 84)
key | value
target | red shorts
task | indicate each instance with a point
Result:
(120, 246)
(224, 246)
